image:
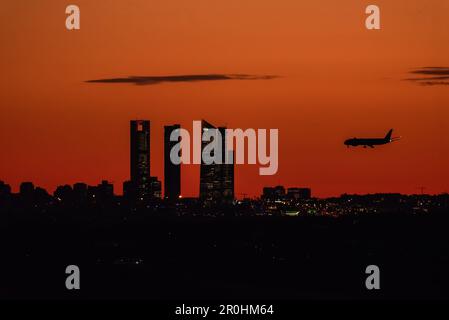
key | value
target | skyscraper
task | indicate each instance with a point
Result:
(140, 158)
(216, 180)
(172, 172)
(227, 174)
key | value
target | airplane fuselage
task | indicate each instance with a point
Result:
(370, 142)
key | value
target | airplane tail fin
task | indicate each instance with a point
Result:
(388, 136)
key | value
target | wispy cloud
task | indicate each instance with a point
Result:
(430, 76)
(152, 80)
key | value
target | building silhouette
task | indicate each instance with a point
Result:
(26, 189)
(279, 193)
(299, 193)
(139, 187)
(216, 180)
(155, 188)
(80, 192)
(273, 193)
(172, 172)
(5, 189)
(104, 192)
(64, 193)
(227, 174)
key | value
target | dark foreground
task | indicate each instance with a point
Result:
(228, 258)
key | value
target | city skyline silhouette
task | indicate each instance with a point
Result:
(168, 167)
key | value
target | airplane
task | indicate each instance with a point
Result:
(371, 142)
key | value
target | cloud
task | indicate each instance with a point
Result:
(152, 80)
(434, 83)
(430, 76)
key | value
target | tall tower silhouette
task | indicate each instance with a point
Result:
(172, 172)
(216, 180)
(140, 158)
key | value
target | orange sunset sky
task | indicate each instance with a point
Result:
(336, 80)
